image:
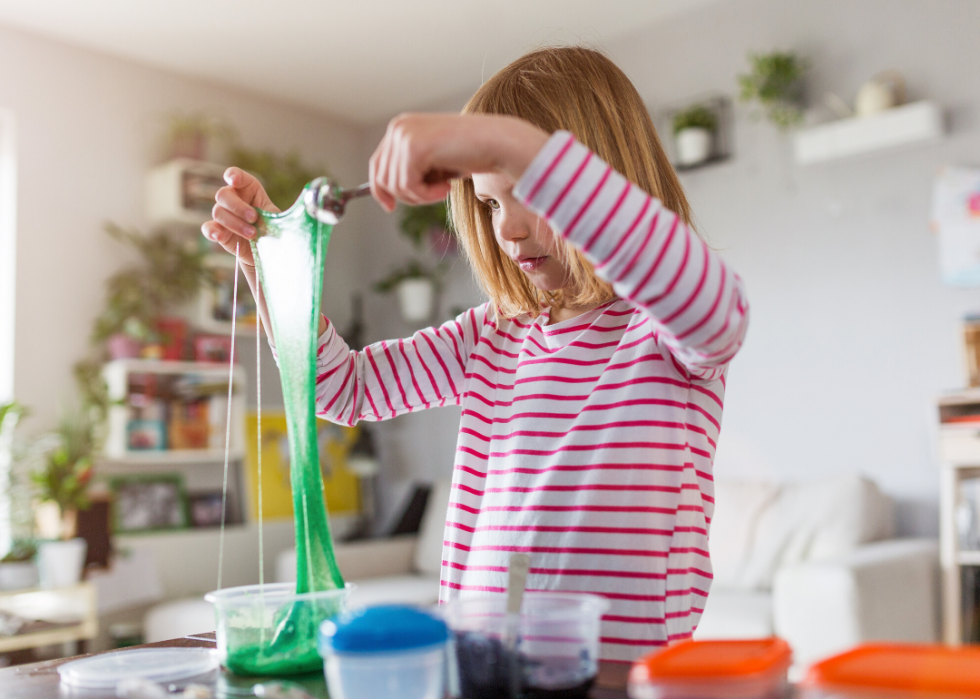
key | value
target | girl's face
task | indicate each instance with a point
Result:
(523, 236)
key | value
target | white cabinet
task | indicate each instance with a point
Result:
(182, 191)
(959, 444)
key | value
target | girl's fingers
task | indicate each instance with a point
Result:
(228, 240)
(232, 223)
(229, 198)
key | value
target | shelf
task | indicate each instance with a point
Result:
(156, 366)
(968, 558)
(174, 456)
(910, 124)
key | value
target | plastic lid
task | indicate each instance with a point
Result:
(105, 671)
(391, 627)
(714, 659)
(910, 667)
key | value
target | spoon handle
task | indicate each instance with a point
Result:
(517, 571)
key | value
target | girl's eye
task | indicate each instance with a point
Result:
(492, 204)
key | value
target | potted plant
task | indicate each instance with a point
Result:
(188, 135)
(17, 568)
(62, 490)
(416, 287)
(776, 83)
(283, 177)
(429, 223)
(694, 131)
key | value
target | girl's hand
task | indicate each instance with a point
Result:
(233, 215)
(420, 153)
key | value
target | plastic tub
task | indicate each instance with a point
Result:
(556, 649)
(384, 651)
(896, 671)
(271, 630)
(753, 669)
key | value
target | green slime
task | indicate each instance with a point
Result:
(289, 251)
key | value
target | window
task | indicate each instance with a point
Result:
(8, 252)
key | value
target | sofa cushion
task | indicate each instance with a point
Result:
(397, 589)
(428, 550)
(813, 520)
(739, 505)
(735, 614)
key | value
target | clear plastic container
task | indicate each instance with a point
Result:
(556, 652)
(271, 630)
(752, 669)
(384, 651)
(896, 671)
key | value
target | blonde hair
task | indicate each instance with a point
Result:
(578, 90)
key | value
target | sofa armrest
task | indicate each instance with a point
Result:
(884, 591)
(360, 560)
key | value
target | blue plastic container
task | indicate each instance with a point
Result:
(384, 651)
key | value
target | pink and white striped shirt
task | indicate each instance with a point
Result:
(586, 443)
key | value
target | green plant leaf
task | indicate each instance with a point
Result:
(697, 116)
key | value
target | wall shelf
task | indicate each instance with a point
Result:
(910, 124)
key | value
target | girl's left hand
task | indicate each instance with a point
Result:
(420, 153)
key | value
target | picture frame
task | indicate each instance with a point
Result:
(205, 509)
(148, 502)
(217, 298)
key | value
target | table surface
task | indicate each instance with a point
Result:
(40, 680)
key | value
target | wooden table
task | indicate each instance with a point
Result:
(40, 680)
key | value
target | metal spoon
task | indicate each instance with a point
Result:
(325, 200)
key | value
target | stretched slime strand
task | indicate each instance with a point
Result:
(289, 252)
(231, 382)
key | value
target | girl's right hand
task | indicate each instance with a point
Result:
(233, 214)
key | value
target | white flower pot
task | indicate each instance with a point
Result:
(18, 576)
(60, 563)
(415, 298)
(693, 145)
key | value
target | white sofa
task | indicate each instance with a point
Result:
(815, 563)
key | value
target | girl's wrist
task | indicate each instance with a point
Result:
(521, 142)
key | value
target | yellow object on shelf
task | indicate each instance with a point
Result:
(340, 484)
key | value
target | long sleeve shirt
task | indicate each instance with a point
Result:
(586, 443)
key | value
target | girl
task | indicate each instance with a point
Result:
(591, 383)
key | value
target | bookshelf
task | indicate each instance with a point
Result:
(959, 525)
(167, 420)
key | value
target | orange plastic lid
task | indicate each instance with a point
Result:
(912, 667)
(701, 659)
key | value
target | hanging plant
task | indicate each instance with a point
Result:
(776, 83)
(282, 176)
(170, 273)
(429, 224)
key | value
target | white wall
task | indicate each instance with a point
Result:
(851, 335)
(88, 129)
(8, 250)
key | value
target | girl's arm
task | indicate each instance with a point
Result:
(396, 376)
(648, 254)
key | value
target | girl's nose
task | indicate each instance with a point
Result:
(510, 227)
